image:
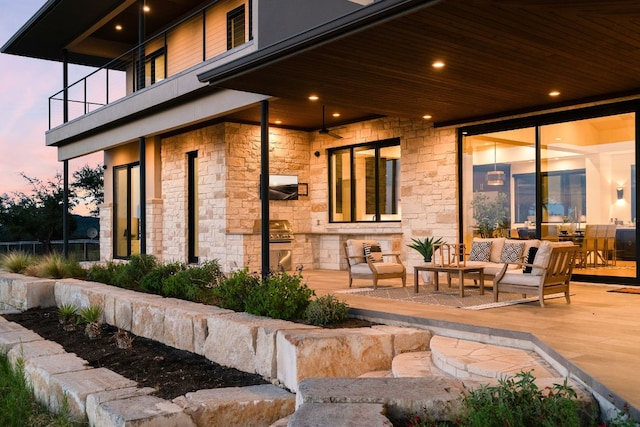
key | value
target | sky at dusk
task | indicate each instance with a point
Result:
(25, 86)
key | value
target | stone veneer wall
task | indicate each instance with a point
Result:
(229, 173)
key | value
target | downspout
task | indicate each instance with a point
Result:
(264, 185)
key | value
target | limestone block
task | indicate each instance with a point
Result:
(141, 411)
(73, 292)
(340, 414)
(74, 387)
(185, 323)
(20, 335)
(28, 292)
(253, 406)
(6, 280)
(245, 342)
(407, 339)
(94, 412)
(123, 311)
(331, 353)
(30, 350)
(437, 397)
(148, 317)
(39, 370)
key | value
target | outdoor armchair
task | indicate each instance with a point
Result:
(374, 265)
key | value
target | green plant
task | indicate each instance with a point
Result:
(194, 283)
(518, 402)
(16, 261)
(326, 310)
(425, 246)
(232, 292)
(103, 273)
(491, 213)
(67, 316)
(129, 274)
(56, 266)
(280, 296)
(18, 406)
(91, 316)
(152, 281)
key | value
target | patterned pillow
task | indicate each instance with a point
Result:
(372, 251)
(512, 252)
(480, 251)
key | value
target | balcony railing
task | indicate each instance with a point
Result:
(164, 55)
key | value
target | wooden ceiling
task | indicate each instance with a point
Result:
(501, 57)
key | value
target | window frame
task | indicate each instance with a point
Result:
(232, 16)
(379, 181)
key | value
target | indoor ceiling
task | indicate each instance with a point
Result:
(501, 57)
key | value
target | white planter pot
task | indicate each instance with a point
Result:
(427, 277)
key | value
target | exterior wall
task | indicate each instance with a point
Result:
(216, 18)
(229, 199)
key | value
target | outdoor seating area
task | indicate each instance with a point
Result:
(366, 260)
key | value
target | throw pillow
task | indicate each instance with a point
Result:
(372, 251)
(512, 252)
(530, 257)
(542, 257)
(480, 251)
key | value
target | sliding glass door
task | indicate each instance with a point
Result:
(571, 180)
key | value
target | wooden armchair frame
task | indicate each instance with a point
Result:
(377, 270)
(555, 277)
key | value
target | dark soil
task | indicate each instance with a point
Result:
(170, 371)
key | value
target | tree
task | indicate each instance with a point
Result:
(89, 185)
(37, 216)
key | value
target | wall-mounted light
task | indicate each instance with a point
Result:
(495, 177)
(620, 193)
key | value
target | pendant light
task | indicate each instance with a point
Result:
(495, 177)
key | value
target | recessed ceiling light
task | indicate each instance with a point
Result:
(336, 114)
(438, 64)
(146, 8)
(119, 27)
(427, 116)
(554, 93)
(278, 122)
(313, 97)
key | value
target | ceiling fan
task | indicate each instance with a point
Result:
(325, 131)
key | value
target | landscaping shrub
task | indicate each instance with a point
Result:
(280, 296)
(16, 261)
(518, 402)
(326, 310)
(194, 283)
(232, 292)
(56, 266)
(103, 273)
(128, 275)
(152, 281)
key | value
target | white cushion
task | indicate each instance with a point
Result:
(542, 258)
(381, 268)
(516, 277)
(355, 248)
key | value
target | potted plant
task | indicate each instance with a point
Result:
(425, 248)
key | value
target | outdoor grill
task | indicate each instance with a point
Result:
(280, 244)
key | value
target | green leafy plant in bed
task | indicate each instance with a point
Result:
(280, 296)
(232, 293)
(326, 310)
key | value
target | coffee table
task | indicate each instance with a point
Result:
(449, 269)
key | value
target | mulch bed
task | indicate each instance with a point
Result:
(171, 371)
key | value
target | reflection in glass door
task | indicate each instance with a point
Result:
(567, 181)
(126, 196)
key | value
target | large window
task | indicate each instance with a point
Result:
(554, 180)
(126, 192)
(364, 182)
(235, 27)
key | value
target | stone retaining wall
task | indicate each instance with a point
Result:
(281, 351)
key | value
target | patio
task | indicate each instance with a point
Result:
(597, 333)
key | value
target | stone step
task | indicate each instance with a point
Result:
(477, 361)
(340, 414)
(257, 406)
(437, 397)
